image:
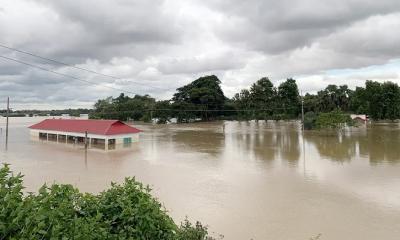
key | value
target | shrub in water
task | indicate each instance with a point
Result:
(125, 211)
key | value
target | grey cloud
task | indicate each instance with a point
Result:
(278, 26)
(101, 29)
(164, 44)
(375, 37)
(201, 64)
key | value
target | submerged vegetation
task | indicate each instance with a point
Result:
(330, 120)
(203, 99)
(125, 211)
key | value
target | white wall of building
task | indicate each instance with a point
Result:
(119, 138)
(35, 132)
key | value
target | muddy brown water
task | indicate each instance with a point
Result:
(246, 180)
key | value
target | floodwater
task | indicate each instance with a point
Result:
(246, 180)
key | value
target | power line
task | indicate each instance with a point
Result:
(65, 75)
(79, 68)
(194, 110)
(176, 110)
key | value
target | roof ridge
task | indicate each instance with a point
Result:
(102, 127)
(114, 121)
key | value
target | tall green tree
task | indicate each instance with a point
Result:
(263, 96)
(124, 108)
(205, 94)
(375, 100)
(333, 97)
(162, 111)
(311, 103)
(243, 101)
(391, 100)
(289, 98)
(359, 101)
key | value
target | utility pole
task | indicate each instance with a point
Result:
(8, 113)
(302, 133)
(86, 148)
(151, 115)
(302, 111)
(86, 140)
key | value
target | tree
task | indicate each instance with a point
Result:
(311, 103)
(309, 120)
(289, 98)
(204, 93)
(124, 108)
(335, 120)
(344, 95)
(243, 101)
(163, 111)
(391, 100)
(331, 98)
(263, 96)
(373, 95)
(359, 101)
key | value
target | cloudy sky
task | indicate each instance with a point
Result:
(156, 46)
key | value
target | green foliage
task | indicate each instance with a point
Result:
(331, 98)
(310, 119)
(243, 100)
(378, 100)
(263, 95)
(391, 100)
(263, 101)
(124, 108)
(125, 211)
(374, 99)
(203, 99)
(289, 98)
(188, 231)
(204, 93)
(334, 120)
(358, 102)
(185, 112)
(162, 112)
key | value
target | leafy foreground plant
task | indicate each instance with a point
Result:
(125, 211)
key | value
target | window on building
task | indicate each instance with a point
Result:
(43, 136)
(111, 144)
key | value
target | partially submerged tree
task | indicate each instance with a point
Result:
(204, 99)
(289, 98)
(204, 94)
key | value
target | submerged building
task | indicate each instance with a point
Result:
(101, 134)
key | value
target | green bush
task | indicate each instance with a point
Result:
(125, 211)
(330, 120)
(334, 120)
(309, 120)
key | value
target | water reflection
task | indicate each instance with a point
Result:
(334, 146)
(382, 144)
(267, 140)
(378, 143)
(210, 142)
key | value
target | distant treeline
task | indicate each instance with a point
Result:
(31, 113)
(203, 99)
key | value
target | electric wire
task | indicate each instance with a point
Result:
(65, 75)
(79, 68)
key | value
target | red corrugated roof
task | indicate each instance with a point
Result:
(100, 127)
